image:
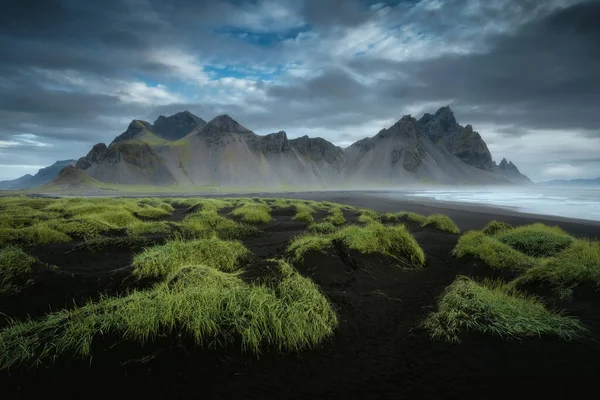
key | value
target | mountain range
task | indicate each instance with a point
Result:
(42, 177)
(185, 150)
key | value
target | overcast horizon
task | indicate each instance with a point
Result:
(524, 73)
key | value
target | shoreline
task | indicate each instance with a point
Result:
(380, 200)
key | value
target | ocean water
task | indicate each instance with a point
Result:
(581, 203)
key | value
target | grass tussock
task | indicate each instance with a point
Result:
(198, 303)
(162, 261)
(537, 240)
(37, 235)
(304, 213)
(493, 252)
(441, 222)
(403, 216)
(149, 228)
(393, 241)
(81, 228)
(367, 216)
(577, 265)
(16, 269)
(495, 308)
(494, 227)
(323, 227)
(335, 216)
(253, 213)
(203, 224)
(153, 213)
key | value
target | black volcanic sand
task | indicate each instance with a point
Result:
(378, 351)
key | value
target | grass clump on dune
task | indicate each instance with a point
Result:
(394, 241)
(153, 213)
(304, 213)
(403, 216)
(164, 260)
(302, 244)
(322, 227)
(149, 228)
(495, 308)
(81, 228)
(493, 252)
(118, 218)
(367, 216)
(577, 265)
(253, 213)
(441, 222)
(335, 216)
(198, 303)
(537, 240)
(202, 224)
(16, 268)
(36, 235)
(494, 227)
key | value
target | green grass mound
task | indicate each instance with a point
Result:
(393, 241)
(403, 216)
(161, 261)
(149, 228)
(253, 213)
(493, 252)
(442, 223)
(494, 227)
(323, 227)
(537, 240)
(153, 213)
(118, 218)
(36, 235)
(367, 216)
(81, 228)
(335, 216)
(577, 265)
(304, 213)
(495, 308)
(16, 269)
(203, 224)
(199, 303)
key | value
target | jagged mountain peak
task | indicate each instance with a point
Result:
(177, 125)
(223, 124)
(136, 128)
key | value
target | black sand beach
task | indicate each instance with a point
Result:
(378, 352)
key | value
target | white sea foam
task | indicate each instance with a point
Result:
(565, 202)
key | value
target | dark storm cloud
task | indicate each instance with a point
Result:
(544, 76)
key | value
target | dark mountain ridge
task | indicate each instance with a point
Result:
(222, 152)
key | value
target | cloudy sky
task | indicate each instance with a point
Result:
(524, 73)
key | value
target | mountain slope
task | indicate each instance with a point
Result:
(222, 152)
(42, 177)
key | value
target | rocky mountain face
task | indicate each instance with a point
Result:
(183, 149)
(509, 171)
(466, 144)
(42, 177)
(176, 126)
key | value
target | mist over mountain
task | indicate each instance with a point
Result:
(572, 182)
(184, 150)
